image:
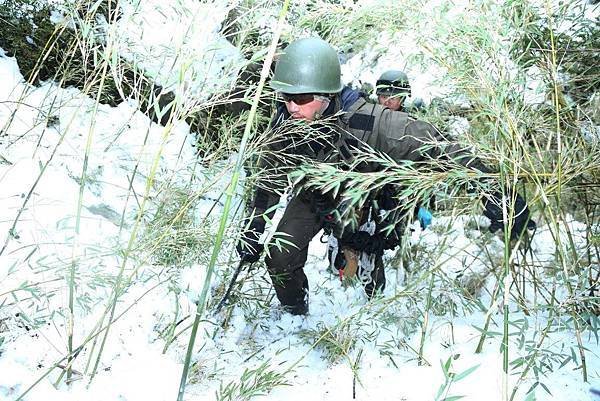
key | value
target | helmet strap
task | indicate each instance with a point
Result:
(325, 104)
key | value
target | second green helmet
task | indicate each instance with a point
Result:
(308, 66)
(393, 82)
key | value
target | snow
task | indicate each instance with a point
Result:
(194, 52)
(47, 223)
(43, 121)
(439, 24)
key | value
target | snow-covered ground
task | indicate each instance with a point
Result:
(346, 348)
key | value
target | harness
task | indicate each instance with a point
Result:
(358, 125)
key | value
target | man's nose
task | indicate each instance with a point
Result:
(292, 107)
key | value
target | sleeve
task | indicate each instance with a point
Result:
(271, 180)
(432, 144)
(421, 141)
(414, 140)
(261, 206)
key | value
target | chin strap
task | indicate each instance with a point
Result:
(325, 104)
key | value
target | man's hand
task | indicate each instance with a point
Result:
(520, 214)
(248, 247)
(322, 206)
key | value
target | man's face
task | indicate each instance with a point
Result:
(391, 102)
(306, 107)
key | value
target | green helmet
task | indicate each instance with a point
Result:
(308, 66)
(393, 82)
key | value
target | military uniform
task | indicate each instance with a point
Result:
(396, 134)
(353, 123)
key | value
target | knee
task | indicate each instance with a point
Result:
(279, 260)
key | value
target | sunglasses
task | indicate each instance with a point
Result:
(301, 98)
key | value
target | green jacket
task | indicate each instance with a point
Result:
(401, 136)
(394, 133)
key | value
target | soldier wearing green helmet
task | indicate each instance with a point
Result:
(308, 66)
(307, 79)
(392, 88)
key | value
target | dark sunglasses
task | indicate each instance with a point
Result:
(300, 99)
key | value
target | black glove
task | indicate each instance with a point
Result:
(248, 247)
(392, 241)
(362, 241)
(389, 234)
(387, 198)
(322, 206)
(493, 211)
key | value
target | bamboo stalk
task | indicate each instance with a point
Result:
(228, 200)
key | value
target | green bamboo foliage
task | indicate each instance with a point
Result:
(540, 150)
(228, 200)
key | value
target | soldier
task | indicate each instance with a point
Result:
(392, 88)
(307, 79)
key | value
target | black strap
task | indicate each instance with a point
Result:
(363, 122)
